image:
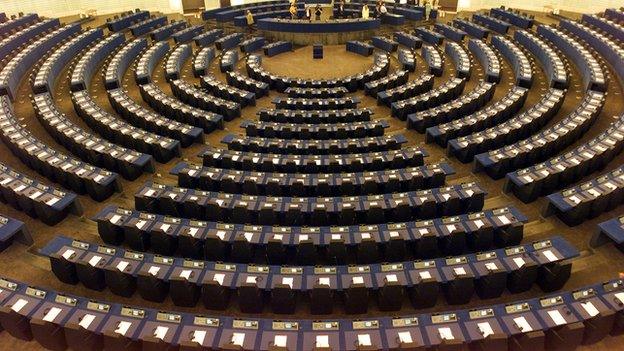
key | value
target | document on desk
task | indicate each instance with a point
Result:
(556, 317)
(199, 336)
(590, 308)
(122, 327)
(405, 337)
(161, 332)
(522, 324)
(86, 320)
(18, 305)
(446, 334)
(52, 314)
(486, 329)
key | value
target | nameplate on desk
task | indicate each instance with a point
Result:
(193, 264)
(206, 321)
(424, 264)
(80, 245)
(372, 324)
(106, 250)
(405, 322)
(168, 317)
(281, 325)
(518, 307)
(163, 260)
(392, 267)
(96, 306)
(40, 294)
(583, 294)
(132, 312)
(258, 269)
(444, 318)
(482, 313)
(551, 301)
(331, 325)
(456, 260)
(5, 284)
(324, 270)
(515, 250)
(486, 256)
(65, 300)
(542, 244)
(133, 256)
(358, 269)
(291, 270)
(612, 286)
(244, 324)
(225, 267)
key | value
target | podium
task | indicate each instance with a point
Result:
(317, 51)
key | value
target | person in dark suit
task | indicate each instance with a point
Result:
(317, 12)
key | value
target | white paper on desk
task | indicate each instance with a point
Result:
(52, 314)
(491, 266)
(252, 279)
(364, 340)
(486, 329)
(121, 266)
(519, 261)
(114, 219)
(556, 317)
(288, 281)
(550, 256)
(122, 327)
(357, 280)
(18, 305)
(446, 334)
(280, 340)
(323, 281)
(238, 339)
(199, 336)
(153, 270)
(504, 219)
(392, 278)
(94, 260)
(479, 223)
(52, 201)
(86, 320)
(140, 224)
(322, 341)
(522, 323)
(248, 236)
(186, 274)
(68, 254)
(149, 192)
(459, 271)
(219, 202)
(424, 275)
(161, 332)
(423, 231)
(620, 296)
(193, 231)
(405, 337)
(164, 227)
(451, 228)
(590, 308)
(219, 278)
(221, 234)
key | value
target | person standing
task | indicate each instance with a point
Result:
(293, 10)
(250, 20)
(365, 12)
(427, 9)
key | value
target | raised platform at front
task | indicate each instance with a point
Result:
(304, 32)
